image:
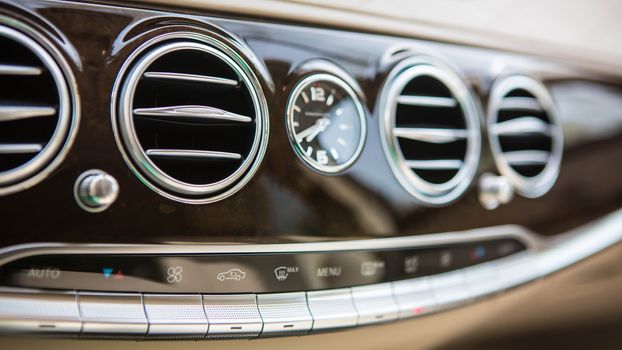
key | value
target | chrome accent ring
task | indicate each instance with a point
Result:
(538, 185)
(55, 151)
(399, 77)
(125, 135)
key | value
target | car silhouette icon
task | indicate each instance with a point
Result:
(233, 274)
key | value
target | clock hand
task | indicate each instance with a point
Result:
(322, 124)
(301, 135)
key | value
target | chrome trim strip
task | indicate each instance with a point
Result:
(191, 77)
(10, 113)
(520, 126)
(192, 112)
(525, 158)
(438, 164)
(427, 101)
(14, 69)
(431, 135)
(521, 104)
(20, 148)
(187, 153)
(531, 240)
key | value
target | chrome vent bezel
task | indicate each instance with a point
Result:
(535, 186)
(50, 155)
(136, 157)
(433, 194)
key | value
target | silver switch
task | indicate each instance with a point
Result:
(95, 190)
(284, 314)
(232, 316)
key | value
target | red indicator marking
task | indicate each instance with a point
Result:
(418, 310)
(118, 275)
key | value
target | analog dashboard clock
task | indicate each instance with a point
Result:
(326, 123)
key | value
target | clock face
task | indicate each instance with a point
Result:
(326, 123)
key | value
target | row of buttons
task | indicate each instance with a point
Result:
(253, 315)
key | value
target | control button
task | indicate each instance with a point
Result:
(39, 312)
(494, 191)
(504, 248)
(372, 268)
(450, 289)
(482, 280)
(414, 297)
(232, 275)
(232, 316)
(95, 190)
(282, 272)
(284, 314)
(446, 258)
(374, 303)
(332, 309)
(114, 314)
(175, 315)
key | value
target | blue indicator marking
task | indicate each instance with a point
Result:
(107, 272)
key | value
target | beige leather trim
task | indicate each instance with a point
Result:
(543, 29)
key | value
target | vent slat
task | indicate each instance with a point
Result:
(37, 108)
(10, 69)
(527, 158)
(522, 125)
(10, 113)
(432, 131)
(525, 134)
(437, 164)
(192, 112)
(521, 104)
(427, 101)
(195, 154)
(193, 119)
(431, 135)
(191, 77)
(20, 148)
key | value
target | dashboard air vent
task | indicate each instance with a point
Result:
(36, 109)
(191, 119)
(525, 135)
(430, 130)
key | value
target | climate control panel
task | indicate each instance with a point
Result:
(247, 291)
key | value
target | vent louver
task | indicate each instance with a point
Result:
(525, 135)
(192, 119)
(430, 130)
(36, 109)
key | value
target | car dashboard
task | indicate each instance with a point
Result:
(185, 174)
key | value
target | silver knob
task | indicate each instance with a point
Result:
(95, 190)
(494, 191)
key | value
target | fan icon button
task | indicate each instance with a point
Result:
(174, 274)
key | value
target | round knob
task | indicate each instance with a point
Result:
(494, 191)
(96, 190)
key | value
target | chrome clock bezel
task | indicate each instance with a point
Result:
(289, 116)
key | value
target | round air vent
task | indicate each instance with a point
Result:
(430, 129)
(37, 108)
(191, 118)
(525, 135)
